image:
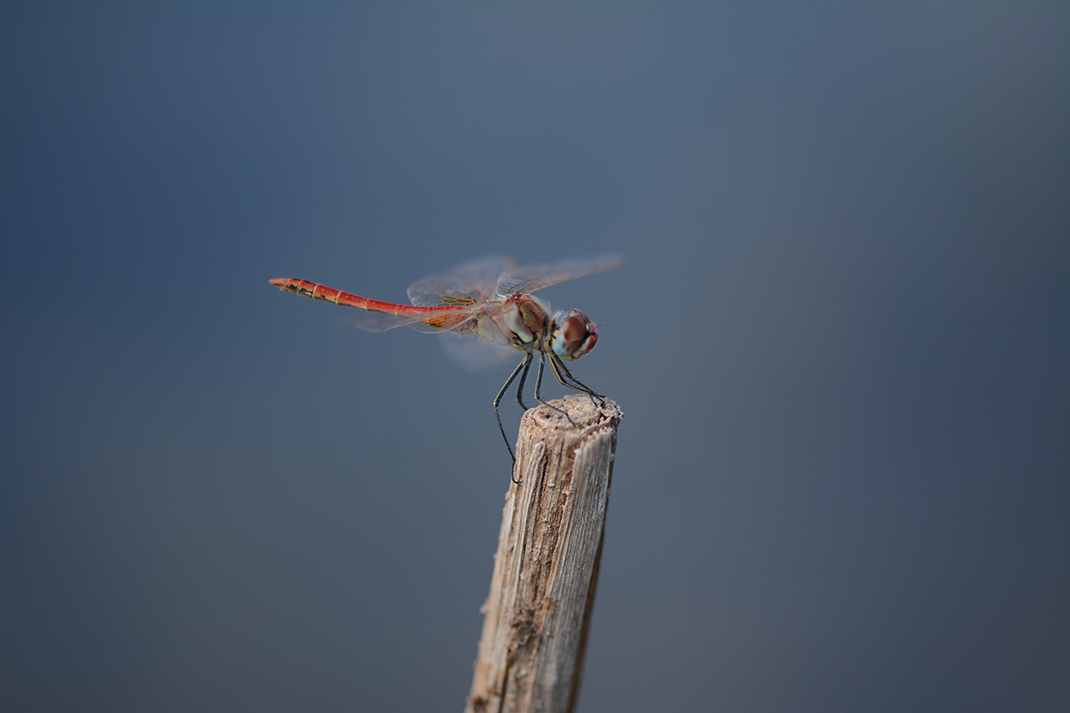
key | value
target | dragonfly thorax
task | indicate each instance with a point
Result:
(520, 321)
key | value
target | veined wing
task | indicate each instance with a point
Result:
(381, 322)
(470, 283)
(475, 354)
(537, 277)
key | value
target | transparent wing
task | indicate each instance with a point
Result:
(477, 355)
(537, 277)
(466, 284)
(461, 321)
(376, 321)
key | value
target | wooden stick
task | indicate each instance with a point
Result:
(546, 567)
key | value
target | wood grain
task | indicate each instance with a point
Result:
(546, 568)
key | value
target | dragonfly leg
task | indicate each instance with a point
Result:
(498, 399)
(523, 380)
(567, 379)
(538, 386)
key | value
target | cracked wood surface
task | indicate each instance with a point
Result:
(546, 568)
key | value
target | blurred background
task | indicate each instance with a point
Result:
(841, 346)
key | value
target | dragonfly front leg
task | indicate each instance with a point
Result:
(498, 399)
(559, 368)
(538, 386)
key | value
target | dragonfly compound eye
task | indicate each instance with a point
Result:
(574, 335)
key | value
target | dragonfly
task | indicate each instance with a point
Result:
(490, 298)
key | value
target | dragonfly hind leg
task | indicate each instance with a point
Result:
(524, 365)
(523, 380)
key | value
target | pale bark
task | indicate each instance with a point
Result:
(546, 567)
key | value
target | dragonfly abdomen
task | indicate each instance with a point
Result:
(323, 293)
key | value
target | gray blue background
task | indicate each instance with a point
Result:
(841, 346)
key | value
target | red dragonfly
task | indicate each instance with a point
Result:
(491, 298)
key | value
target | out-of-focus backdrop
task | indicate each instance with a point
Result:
(841, 344)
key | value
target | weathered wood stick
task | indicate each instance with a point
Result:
(546, 567)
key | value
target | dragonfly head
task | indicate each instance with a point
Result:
(573, 335)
